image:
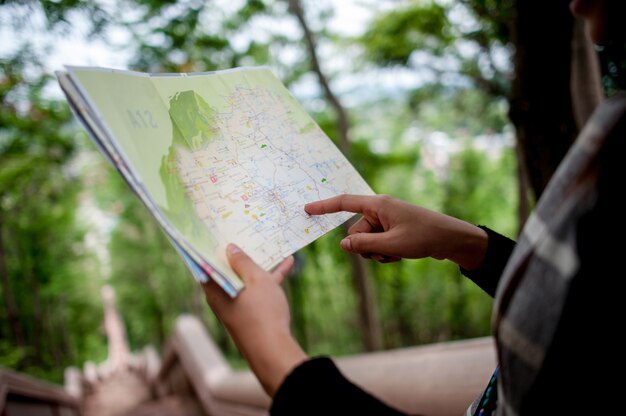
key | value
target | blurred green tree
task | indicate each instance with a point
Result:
(48, 282)
(498, 48)
(417, 301)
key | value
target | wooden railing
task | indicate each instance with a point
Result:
(438, 379)
(22, 395)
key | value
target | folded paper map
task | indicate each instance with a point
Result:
(216, 157)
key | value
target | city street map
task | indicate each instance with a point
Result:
(218, 157)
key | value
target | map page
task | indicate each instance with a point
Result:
(227, 156)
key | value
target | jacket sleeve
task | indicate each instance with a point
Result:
(499, 250)
(317, 387)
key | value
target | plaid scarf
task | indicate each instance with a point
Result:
(537, 279)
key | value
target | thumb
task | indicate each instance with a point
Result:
(282, 270)
(241, 263)
(363, 243)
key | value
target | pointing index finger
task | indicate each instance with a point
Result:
(349, 203)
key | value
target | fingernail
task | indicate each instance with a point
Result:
(346, 244)
(379, 258)
(232, 248)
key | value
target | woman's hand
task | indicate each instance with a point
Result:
(258, 319)
(391, 229)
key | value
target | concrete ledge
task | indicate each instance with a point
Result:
(437, 379)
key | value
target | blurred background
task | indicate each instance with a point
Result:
(461, 106)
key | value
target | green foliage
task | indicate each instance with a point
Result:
(325, 311)
(54, 279)
(48, 304)
(153, 285)
(477, 200)
(469, 112)
(613, 67)
(59, 16)
(458, 43)
(10, 355)
(393, 37)
(196, 37)
(494, 17)
(419, 301)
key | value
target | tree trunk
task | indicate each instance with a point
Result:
(541, 100)
(17, 332)
(371, 331)
(586, 83)
(38, 317)
(52, 328)
(370, 326)
(523, 201)
(158, 315)
(296, 289)
(66, 340)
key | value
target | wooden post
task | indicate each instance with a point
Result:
(116, 333)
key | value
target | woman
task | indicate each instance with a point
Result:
(555, 318)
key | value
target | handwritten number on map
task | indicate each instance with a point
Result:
(141, 119)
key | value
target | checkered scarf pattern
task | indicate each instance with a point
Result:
(536, 280)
